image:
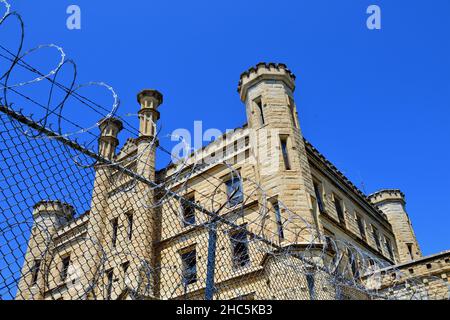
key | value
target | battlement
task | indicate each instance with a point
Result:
(56, 207)
(265, 71)
(387, 195)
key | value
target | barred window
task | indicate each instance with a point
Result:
(276, 208)
(239, 243)
(109, 285)
(376, 237)
(339, 209)
(115, 227)
(234, 191)
(129, 225)
(188, 211)
(65, 263)
(189, 264)
(389, 248)
(362, 230)
(317, 191)
(35, 271)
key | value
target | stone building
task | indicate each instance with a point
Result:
(272, 191)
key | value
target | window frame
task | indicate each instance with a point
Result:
(35, 269)
(376, 236)
(185, 204)
(318, 192)
(65, 264)
(189, 273)
(341, 217)
(244, 260)
(360, 222)
(115, 231)
(130, 225)
(284, 147)
(259, 107)
(238, 197)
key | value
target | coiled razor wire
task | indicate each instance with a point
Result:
(107, 231)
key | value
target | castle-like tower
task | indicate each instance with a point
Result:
(267, 90)
(393, 204)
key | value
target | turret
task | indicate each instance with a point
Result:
(278, 147)
(392, 203)
(144, 210)
(108, 142)
(99, 212)
(48, 217)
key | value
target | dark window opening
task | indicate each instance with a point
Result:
(239, 243)
(35, 271)
(130, 226)
(260, 111)
(311, 281)
(353, 263)
(64, 268)
(339, 210)
(319, 197)
(125, 267)
(109, 275)
(330, 245)
(115, 227)
(376, 236)
(410, 250)
(284, 150)
(276, 208)
(362, 230)
(189, 264)
(292, 112)
(234, 191)
(389, 249)
(188, 211)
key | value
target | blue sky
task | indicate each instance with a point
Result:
(375, 103)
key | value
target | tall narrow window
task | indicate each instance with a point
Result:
(318, 192)
(339, 210)
(239, 243)
(129, 225)
(125, 267)
(376, 237)
(35, 271)
(65, 263)
(389, 248)
(188, 211)
(189, 264)
(353, 263)
(362, 230)
(311, 281)
(276, 209)
(115, 227)
(234, 191)
(292, 112)
(284, 150)
(329, 243)
(260, 111)
(109, 285)
(410, 250)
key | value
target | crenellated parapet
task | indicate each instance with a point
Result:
(265, 71)
(387, 195)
